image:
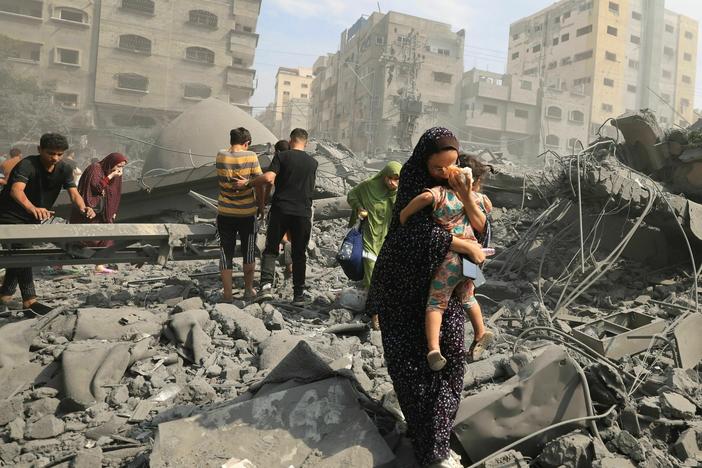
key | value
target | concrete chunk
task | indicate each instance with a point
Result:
(89, 458)
(10, 409)
(574, 450)
(45, 427)
(239, 324)
(677, 406)
(687, 446)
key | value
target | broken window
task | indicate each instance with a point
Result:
(554, 112)
(199, 54)
(303, 95)
(141, 6)
(202, 18)
(134, 43)
(197, 91)
(132, 82)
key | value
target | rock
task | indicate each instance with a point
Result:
(629, 421)
(688, 445)
(682, 381)
(198, 391)
(98, 299)
(194, 303)
(214, 370)
(340, 316)
(9, 452)
(37, 409)
(16, 429)
(676, 406)
(171, 291)
(650, 406)
(46, 392)
(45, 427)
(573, 450)
(481, 371)
(613, 462)
(628, 445)
(89, 458)
(239, 324)
(118, 395)
(10, 410)
(273, 319)
(255, 310)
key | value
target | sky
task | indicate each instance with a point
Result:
(293, 33)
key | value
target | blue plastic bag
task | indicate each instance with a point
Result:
(350, 255)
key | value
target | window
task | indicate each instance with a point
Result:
(689, 35)
(538, 27)
(555, 41)
(583, 31)
(631, 88)
(515, 55)
(566, 15)
(552, 140)
(286, 93)
(67, 100)
(71, 14)
(304, 86)
(141, 6)
(668, 51)
(554, 112)
(577, 116)
(134, 43)
(445, 52)
(581, 82)
(237, 61)
(197, 91)
(611, 56)
(442, 77)
(286, 83)
(303, 95)
(669, 28)
(612, 31)
(202, 18)
(635, 39)
(67, 56)
(531, 71)
(524, 84)
(573, 144)
(515, 36)
(553, 65)
(199, 54)
(609, 82)
(634, 64)
(565, 37)
(686, 79)
(607, 107)
(132, 82)
(521, 113)
(687, 57)
(536, 48)
(566, 61)
(557, 19)
(583, 55)
(29, 8)
(489, 109)
(636, 15)
(667, 74)
(379, 40)
(614, 8)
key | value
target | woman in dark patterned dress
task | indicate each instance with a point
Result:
(399, 291)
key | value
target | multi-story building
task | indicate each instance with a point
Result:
(393, 75)
(511, 114)
(53, 44)
(136, 62)
(292, 100)
(625, 54)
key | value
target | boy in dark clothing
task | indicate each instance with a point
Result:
(293, 172)
(28, 197)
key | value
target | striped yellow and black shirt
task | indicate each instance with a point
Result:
(232, 165)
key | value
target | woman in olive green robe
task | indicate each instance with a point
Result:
(374, 200)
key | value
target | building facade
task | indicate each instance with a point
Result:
(625, 54)
(292, 101)
(136, 63)
(393, 75)
(512, 115)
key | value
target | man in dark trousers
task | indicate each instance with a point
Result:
(293, 174)
(30, 193)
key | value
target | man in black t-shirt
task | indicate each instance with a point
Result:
(28, 197)
(293, 173)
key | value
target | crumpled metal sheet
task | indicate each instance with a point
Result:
(546, 391)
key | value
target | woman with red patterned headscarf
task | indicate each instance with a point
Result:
(101, 188)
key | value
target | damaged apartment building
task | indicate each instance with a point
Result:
(393, 75)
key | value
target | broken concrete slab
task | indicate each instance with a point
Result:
(676, 406)
(10, 409)
(573, 450)
(320, 424)
(523, 404)
(688, 445)
(88, 458)
(689, 346)
(628, 445)
(187, 331)
(105, 324)
(275, 348)
(45, 427)
(239, 324)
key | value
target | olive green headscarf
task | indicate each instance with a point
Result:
(374, 196)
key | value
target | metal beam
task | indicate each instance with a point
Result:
(39, 233)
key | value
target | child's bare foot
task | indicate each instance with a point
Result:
(436, 360)
(480, 344)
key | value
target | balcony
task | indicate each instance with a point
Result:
(239, 40)
(241, 78)
(493, 91)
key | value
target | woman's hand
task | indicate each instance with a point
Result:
(462, 185)
(468, 247)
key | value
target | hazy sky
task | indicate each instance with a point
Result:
(294, 33)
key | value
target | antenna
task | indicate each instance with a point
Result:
(379, 8)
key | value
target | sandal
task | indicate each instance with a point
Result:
(478, 347)
(436, 360)
(375, 322)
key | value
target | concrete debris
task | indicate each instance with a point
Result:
(146, 363)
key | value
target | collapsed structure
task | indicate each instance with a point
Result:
(593, 296)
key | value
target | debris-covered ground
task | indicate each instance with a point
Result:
(592, 296)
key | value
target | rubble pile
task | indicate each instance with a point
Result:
(593, 297)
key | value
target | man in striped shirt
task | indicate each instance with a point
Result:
(238, 209)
